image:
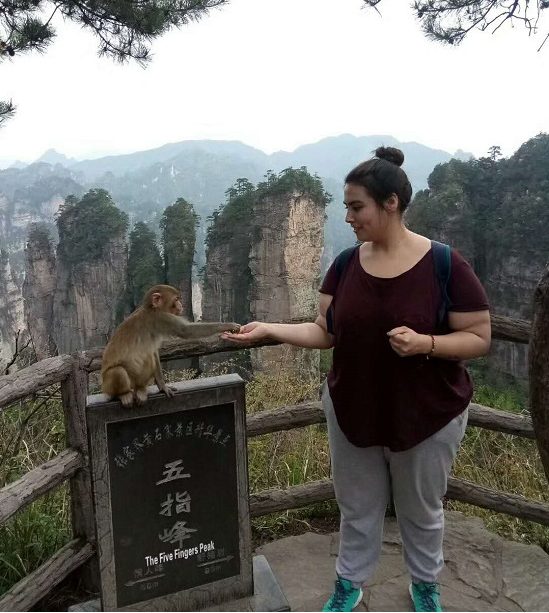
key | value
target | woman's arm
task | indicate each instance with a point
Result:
(308, 335)
(470, 338)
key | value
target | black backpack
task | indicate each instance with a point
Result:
(443, 264)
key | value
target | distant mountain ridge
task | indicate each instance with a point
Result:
(332, 156)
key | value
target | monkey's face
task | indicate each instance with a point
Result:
(165, 298)
(176, 306)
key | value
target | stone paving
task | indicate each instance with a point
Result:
(483, 571)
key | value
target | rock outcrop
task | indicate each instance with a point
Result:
(285, 264)
(87, 298)
(495, 212)
(38, 291)
(28, 196)
(11, 312)
(263, 263)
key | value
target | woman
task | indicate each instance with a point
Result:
(397, 394)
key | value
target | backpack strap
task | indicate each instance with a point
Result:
(443, 265)
(340, 264)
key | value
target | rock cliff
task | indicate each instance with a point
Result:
(496, 213)
(38, 290)
(87, 298)
(263, 262)
(284, 264)
(11, 311)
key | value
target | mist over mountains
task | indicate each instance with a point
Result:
(330, 157)
(144, 183)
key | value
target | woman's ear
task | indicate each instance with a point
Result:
(391, 204)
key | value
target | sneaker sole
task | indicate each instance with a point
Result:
(411, 595)
(358, 600)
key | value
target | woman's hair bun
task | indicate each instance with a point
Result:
(391, 154)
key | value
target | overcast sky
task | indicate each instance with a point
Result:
(277, 74)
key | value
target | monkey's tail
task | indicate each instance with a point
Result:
(116, 381)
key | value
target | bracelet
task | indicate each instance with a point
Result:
(432, 346)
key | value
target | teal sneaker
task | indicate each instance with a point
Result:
(425, 596)
(344, 598)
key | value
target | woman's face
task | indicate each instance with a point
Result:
(368, 220)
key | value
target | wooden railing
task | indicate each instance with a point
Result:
(72, 464)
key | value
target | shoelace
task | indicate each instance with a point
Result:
(426, 592)
(340, 593)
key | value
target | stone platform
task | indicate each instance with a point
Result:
(483, 572)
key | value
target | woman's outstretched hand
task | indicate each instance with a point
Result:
(254, 331)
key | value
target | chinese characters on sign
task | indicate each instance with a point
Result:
(138, 445)
(174, 501)
(179, 532)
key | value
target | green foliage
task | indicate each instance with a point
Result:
(178, 226)
(234, 216)
(144, 264)
(325, 362)
(492, 209)
(86, 226)
(496, 389)
(292, 180)
(32, 433)
(124, 29)
(7, 111)
(494, 152)
(39, 235)
(33, 536)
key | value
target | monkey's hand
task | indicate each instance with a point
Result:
(254, 331)
(229, 328)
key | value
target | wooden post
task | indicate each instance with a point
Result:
(539, 369)
(73, 392)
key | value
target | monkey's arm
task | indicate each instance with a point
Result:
(168, 325)
(159, 378)
(200, 330)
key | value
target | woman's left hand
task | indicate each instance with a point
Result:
(406, 342)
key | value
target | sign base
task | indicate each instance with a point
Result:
(267, 596)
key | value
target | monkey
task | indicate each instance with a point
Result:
(131, 361)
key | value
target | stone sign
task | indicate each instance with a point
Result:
(170, 491)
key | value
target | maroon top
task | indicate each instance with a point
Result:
(379, 397)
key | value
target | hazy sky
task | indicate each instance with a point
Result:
(277, 74)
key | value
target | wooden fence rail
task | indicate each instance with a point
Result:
(39, 481)
(31, 589)
(308, 413)
(297, 496)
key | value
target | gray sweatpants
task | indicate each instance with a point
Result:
(363, 477)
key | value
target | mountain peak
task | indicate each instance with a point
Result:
(51, 156)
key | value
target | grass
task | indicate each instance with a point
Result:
(33, 432)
